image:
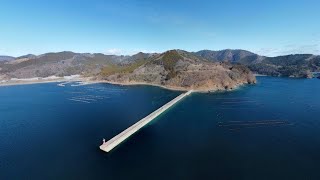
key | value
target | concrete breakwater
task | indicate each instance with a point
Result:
(115, 141)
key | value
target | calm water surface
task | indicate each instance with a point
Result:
(266, 131)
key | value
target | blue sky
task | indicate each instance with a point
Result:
(266, 27)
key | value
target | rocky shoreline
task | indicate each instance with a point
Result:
(90, 80)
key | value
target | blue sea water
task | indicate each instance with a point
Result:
(270, 130)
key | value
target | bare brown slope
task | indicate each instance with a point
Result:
(182, 70)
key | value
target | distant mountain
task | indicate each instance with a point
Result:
(298, 65)
(63, 63)
(27, 56)
(138, 56)
(229, 55)
(6, 58)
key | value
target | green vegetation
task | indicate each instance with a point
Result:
(300, 65)
(295, 65)
(241, 68)
(266, 69)
(121, 69)
(286, 71)
(297, 60)
(169, 61)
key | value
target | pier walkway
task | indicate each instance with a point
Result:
(112, 143)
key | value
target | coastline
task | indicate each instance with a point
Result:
(139, 83)
(17, 82)
(89, 80)
(85, 81)
(168, 87)
(258, 75)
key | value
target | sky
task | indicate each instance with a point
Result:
(266, 27)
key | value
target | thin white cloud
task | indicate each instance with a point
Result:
(3, 51)
(135, 51)
(303, 49)
(291, 49)
(114, 51)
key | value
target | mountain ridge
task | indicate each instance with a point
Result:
(294, 65)
(68, 62)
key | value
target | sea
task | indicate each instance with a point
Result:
(270, 130)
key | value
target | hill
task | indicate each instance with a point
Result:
(298, 65)
(179, 69)
(62, 64)
(229, 55)
(6, 58)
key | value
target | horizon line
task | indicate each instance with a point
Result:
(154, 52)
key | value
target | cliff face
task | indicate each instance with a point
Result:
(182, 70)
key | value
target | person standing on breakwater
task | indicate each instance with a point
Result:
(104, 141)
